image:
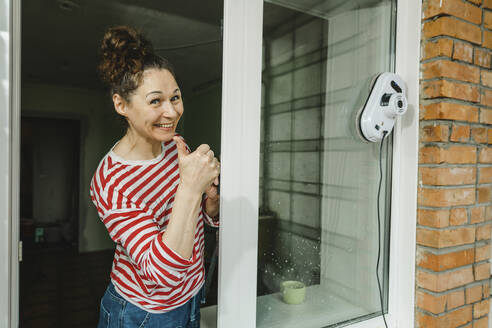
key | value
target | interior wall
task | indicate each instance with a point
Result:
(202, 117)
(100, 129)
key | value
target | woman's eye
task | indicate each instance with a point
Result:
(154, 101)
(175, 98)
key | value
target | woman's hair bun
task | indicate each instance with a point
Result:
(124, 51)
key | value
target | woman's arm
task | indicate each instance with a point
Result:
(197, 172)
(180, 231)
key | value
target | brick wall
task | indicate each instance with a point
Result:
(455, 165)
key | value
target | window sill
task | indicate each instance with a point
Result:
(319, 310)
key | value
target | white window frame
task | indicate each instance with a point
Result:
(243, 22)
(243, 26)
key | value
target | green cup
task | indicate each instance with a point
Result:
(293, 292)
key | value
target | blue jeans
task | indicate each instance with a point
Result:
(116, 312)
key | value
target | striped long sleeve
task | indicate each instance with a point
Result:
(134, 200)
(140, 236)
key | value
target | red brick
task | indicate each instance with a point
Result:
(487, 19)
(485, 155)
(485, 175)
(487, 4)
(455, 299)
(451, 155)
(480, 309)
(479, 135)
(482, 253)
(437, 48)
(463, 51)
(431, 218)
(487, 39)
(485, 116)
(452, 27)
(489, 136)
(446, 261)
(486, 98)
(448, 89)
(477, 214)
(432, 154)
(483, 195)
(431, 133)
(482, 271)
(454, 8)
(439, 282)
(460, 133)
(449, 111)
(452, 70)
(473, 294)
(429, 302)
(481, 58)
(481, 323)
(488, 213)
(483, 232)
(486, 290)
(445, 238)
(445, 176)
(458, 216)
(452, 319)
(486, 78)
(446, 197)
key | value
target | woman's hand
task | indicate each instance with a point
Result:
(199, 169)
(212, 202)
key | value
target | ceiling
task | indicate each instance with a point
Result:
(61, 38)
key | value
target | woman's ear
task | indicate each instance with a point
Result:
(120, 105)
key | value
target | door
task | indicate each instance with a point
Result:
(247, 127)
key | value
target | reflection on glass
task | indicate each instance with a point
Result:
(318, 179)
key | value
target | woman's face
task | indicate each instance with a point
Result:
(155, 107)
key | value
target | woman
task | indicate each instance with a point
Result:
(149, 192)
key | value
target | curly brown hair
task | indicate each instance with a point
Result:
(126, 54)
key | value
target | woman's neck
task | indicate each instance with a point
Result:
(134, 147)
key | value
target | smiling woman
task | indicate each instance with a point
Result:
(149, 191)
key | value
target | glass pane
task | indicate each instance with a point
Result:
(318, 180)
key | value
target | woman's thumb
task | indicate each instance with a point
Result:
(182, 151)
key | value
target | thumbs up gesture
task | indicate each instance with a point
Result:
(198, 170)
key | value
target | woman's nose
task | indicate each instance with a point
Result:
(169, 110)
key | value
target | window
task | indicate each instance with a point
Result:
(318, 178)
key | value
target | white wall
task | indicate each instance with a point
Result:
(100, 129)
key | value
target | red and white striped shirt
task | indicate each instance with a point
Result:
(134, 200)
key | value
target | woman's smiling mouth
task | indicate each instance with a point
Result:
(164, 125)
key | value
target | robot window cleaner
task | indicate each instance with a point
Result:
(386, 101)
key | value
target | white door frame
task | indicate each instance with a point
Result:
(240, 151)
(243, 25)
(5, 78)
(10, 13)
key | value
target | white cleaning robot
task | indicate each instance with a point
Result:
(387, 100)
